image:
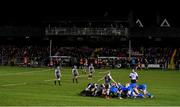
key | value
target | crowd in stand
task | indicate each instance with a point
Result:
(113, 56)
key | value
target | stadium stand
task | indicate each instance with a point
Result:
(101, 41)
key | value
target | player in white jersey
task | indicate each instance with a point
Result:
(57, 71)
(58, 75)
(75, 74)
(134, 78)
(85, 67)
(91, 70)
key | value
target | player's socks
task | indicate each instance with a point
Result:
(119, 96)
(140, 95)
(73, 80)
(131, 96)
(149, 95)
(76, 81)
(59, 82)
(55, 82)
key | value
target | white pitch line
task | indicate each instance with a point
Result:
(49, 80)
(78, 76)
(14, 84)
(87, 76)
(20, 73)
(101, 72)
(31, 72)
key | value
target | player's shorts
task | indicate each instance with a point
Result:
(58, 77)
(75, 75)
(133, 81)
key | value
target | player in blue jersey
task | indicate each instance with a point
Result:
(143, 88)
(114, 90)
(128, 91)
(124, 90)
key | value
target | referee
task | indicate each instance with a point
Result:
(133, 76)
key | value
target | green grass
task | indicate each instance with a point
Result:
(34, 87)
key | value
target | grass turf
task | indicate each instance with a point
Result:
(35, 87)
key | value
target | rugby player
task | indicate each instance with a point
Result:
(75, 74)
(57, 71)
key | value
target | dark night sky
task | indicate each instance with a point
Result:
(33, 12)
